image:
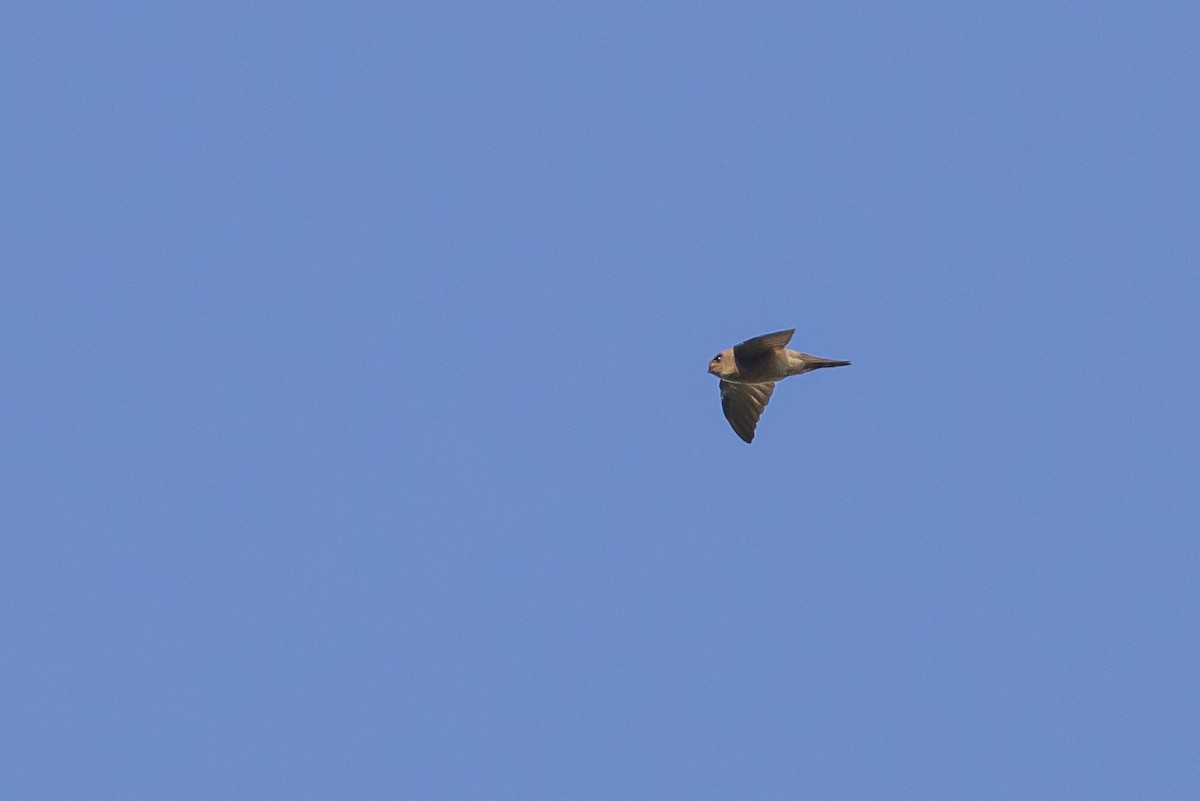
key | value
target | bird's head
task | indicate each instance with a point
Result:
(722, 364)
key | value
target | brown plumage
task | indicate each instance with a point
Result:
(748, 372)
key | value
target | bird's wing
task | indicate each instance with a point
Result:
(758, 347)
(743, 404)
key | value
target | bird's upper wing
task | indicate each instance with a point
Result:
(743, 404)
(758, 347)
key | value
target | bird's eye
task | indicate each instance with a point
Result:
(717, 358)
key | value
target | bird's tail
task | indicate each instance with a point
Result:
(815, 362)
(803, 362)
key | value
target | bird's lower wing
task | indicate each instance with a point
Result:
(743, 404)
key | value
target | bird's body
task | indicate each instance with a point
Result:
(748, 372)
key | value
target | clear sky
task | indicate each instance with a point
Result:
(358, 441)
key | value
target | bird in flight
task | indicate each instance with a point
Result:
(748, 373)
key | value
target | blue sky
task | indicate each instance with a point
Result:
(358, 441)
